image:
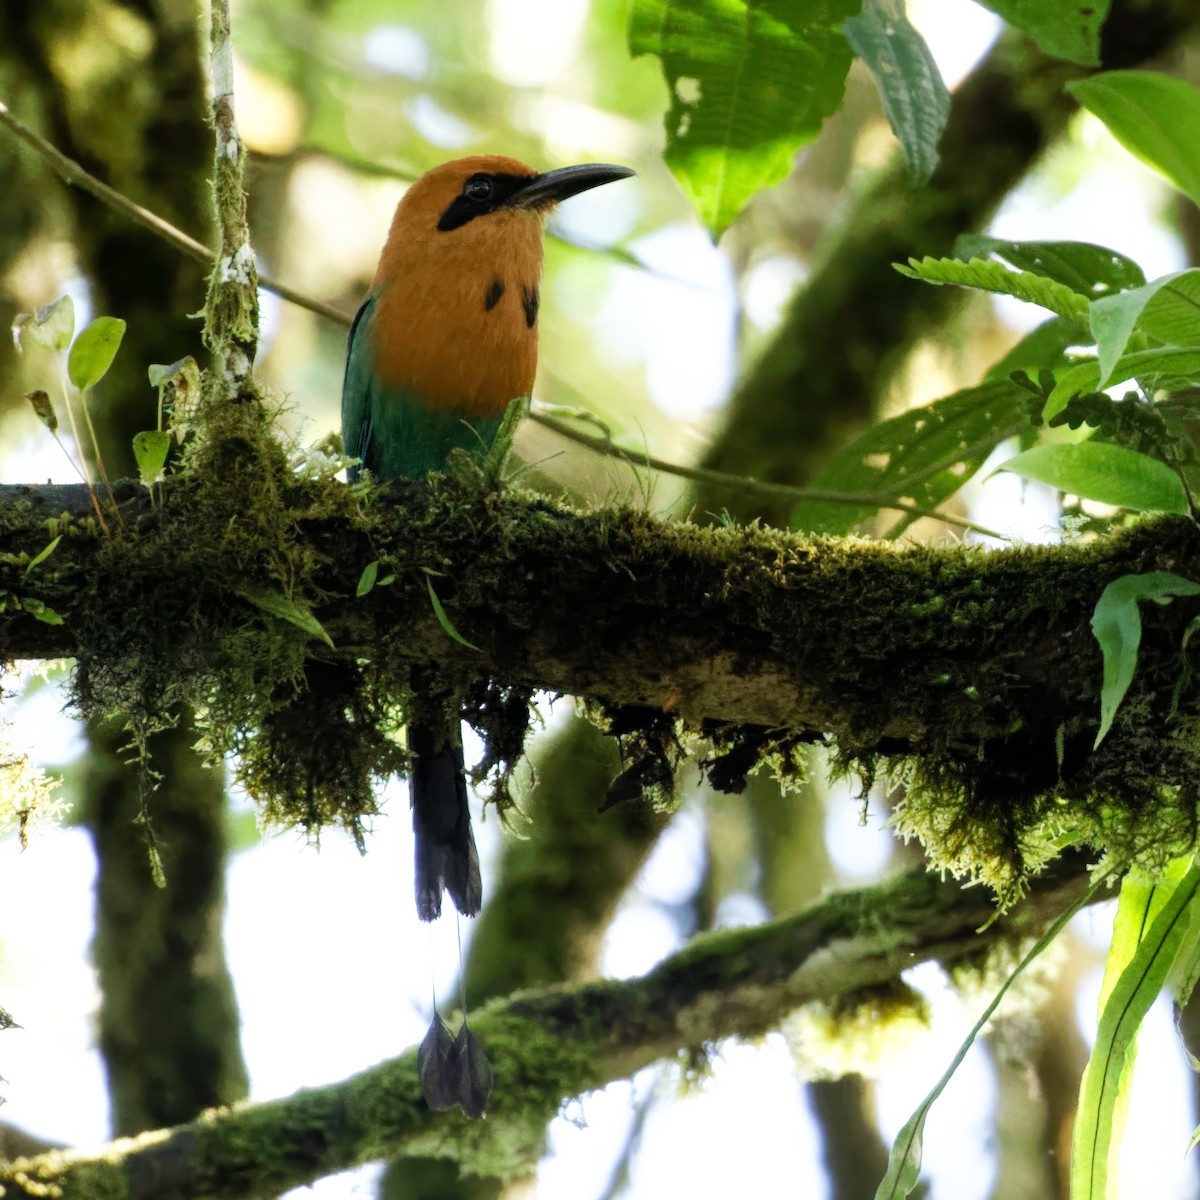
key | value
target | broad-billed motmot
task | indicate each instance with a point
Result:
(445, 341)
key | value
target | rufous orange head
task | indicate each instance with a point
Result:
(451, 196)
(457, 283)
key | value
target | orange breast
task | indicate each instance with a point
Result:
(456, 318)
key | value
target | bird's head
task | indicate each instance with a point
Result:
(458, 193)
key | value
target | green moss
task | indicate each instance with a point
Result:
(921, 667)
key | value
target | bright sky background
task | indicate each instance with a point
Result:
(320, 1000)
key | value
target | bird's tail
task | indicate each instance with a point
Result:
(446, 858)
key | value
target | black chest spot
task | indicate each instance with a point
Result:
(493, 295)
(529, 302)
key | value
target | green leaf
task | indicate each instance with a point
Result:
(94, 350)
(914, 97)
(42, 555)
(1140, 902)
(43, 407)
(1175, 363)
(1172, 313)
(157, 873)
(995, 277)
(1042, 349)
(1117, 625)
(150, 449)
(366, 581)
(444, 620)
(751, 82)
(1167, 309)
(1155, 117)
(924, 455)
(1105, 472)
(1104, 1089)
(35, 608)
(1085, 268)
(51, 326)
(1066, 29)
(904, 1162)
(1182, 980)
(287, 609)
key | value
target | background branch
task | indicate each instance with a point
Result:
(551, 1045)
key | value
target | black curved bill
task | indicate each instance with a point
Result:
(552, 186)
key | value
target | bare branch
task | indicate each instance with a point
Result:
(71, 172)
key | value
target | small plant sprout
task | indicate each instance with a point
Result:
(87, 362)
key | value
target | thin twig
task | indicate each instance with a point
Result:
(604, 445)
(71, 172)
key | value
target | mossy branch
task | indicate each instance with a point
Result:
(231, 314)
(554, 1044)
(974, 673)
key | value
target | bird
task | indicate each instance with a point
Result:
(444, 342)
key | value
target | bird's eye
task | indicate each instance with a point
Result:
(478, 187)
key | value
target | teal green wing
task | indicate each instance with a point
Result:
(357, 385)
(391, 431)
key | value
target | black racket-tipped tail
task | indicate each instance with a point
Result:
(446, 858)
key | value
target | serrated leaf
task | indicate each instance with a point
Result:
(94, 350)
(1090, 270)
(904, 1161)
(150, 448)
(997, 278)
(750, 83)
(1066, 29)
(276, 604)
(1154, 116)
(1105, 1085)
(1105, 472)
(1167, 309)
(1117, 626)
(444, 620)
(51, 326)
(925, 455)
(1180, 364)
(914, 97)
(43, 406)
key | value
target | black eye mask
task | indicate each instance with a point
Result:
(466, 206)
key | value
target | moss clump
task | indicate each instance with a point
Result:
(860, 1033)
(969, 678)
